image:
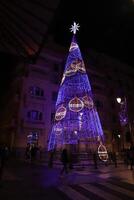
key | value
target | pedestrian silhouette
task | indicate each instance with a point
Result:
(95, 160)
(3, 158)
(64, 160)
(114, 157)
(27, 152)
(51, 157)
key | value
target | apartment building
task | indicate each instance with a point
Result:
(30, 102)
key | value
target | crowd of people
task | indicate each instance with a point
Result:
(66, 158)
(113, 159)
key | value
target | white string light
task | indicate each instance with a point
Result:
(74, 28)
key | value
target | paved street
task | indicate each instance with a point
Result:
(24, 181)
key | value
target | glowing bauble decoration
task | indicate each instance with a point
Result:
(102, 152)
(76, 104)
(88, 102)
(60, 113)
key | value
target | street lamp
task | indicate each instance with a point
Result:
(118, 99)
(123, 116)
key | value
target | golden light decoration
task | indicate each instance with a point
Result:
(88, 102)
(76, 104)
(60, 113)
(102, 152)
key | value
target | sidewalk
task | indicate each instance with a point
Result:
(79, 174)
(85, 172)
(27, 181)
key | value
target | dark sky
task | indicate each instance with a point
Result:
(106, 26)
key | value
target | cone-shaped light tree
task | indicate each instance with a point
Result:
(76, 116)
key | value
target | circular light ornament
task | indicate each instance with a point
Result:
(76, 104)
(60, 113)
(88, 102)
(102, 152)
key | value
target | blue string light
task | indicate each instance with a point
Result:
(76, 116)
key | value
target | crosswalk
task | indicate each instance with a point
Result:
(100, 190)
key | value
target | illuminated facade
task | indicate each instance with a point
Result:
(33, 93)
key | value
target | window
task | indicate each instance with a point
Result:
(32, 137)
(34, 115)
(36, 91)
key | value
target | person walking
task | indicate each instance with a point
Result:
(114, 157)
(95, 160)
(51, 158)
(3, 158)
(131, 157)
(64, 160)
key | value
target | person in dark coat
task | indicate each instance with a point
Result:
(95, 160)
(33, 152)
(51, 158)
(64, 160)
(3, 158)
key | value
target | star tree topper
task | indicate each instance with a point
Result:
(74, 28)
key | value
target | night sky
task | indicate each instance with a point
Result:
(105, 26)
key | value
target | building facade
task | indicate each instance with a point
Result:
(30, 102)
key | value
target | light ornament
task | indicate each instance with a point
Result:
(74, 28)
(73, 46)
(58, 129)
(76, 65)
(88, 102)
(80, 120)
(60, 113)
(70, 72)
(75, 132)
(76, 104)
(102, 152)
(63, 78)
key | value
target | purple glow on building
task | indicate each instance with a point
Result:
(76, 116)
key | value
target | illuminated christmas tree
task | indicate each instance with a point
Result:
(76, 117)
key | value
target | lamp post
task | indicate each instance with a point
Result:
(123, 117)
